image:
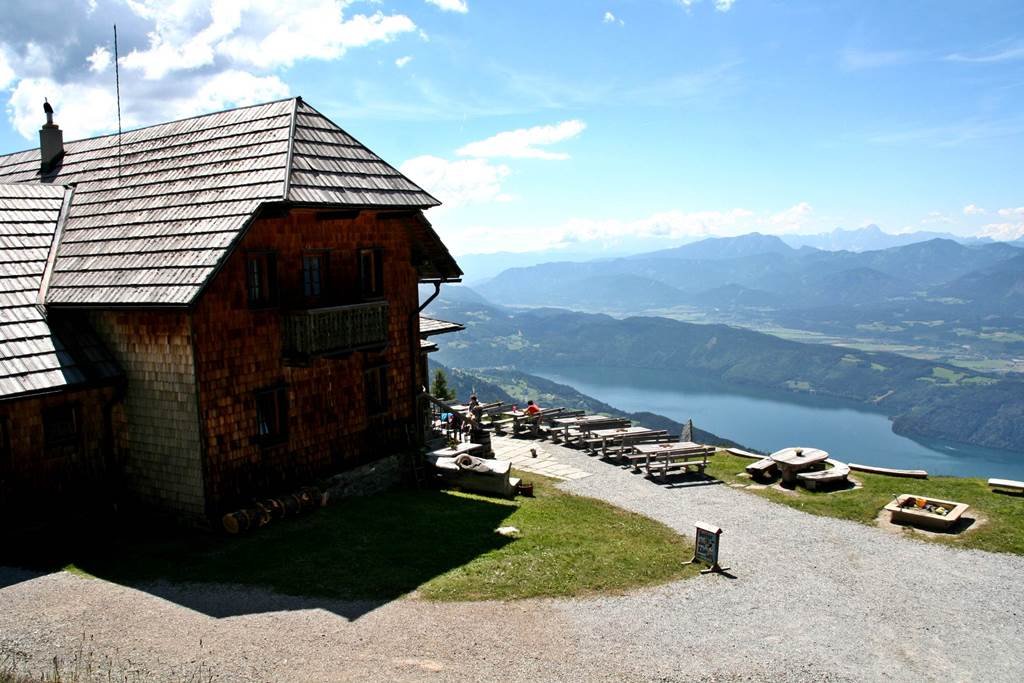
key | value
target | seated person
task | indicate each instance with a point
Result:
(532, 408)
(475, 409)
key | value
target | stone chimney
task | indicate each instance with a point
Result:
(51, 141)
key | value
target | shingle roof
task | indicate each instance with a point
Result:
(36, 355)
(431, 326)
(149, 226)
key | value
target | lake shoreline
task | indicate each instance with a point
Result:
(766, 420)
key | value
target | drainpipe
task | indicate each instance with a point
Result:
(437, 290)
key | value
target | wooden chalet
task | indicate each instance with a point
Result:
(209, 310)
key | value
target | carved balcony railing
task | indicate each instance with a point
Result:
(335, 329)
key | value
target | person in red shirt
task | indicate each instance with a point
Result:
(532, 408)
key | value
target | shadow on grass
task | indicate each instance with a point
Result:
(686, 481)
(348, 558)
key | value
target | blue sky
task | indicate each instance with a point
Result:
(586, 125)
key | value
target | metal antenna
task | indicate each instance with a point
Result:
(117, 81)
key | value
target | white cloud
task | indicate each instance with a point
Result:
(720, 5)
(663, 227)
(937, 218)
(972, 210)
(610, 18)
(260, 33)
(457, 183)
(524, 143)
(855, 59)
(1004, 231)
(401, 62)
(229, 89)
(1005, 55)
(80, 110)
(1013, 229)
(459, 6)
(99, 60)
(320, 33)
(6, 72)
(178, 58)
(792, 219)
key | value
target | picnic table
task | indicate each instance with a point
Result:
(622, 435)
(662, 458)
(796, 459)
(587, 423)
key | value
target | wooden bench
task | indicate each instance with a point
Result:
(1007, 484)
(619, 443)
(532, 423)
(836, 474)
(692, 460)
(763, 468)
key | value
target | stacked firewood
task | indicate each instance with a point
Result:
(268, 510)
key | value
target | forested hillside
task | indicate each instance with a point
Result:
(926, 398)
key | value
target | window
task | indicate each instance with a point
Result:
(60, 427)
(376, 390)
(371, 273)
(5, 442)
(272, 415)
(261, 279)
(314, 274)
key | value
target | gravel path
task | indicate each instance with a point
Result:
(812, 599)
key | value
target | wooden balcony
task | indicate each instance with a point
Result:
(335, 329)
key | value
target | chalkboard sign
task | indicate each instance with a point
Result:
(705, 548)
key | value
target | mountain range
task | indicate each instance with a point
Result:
(482, 267)
(923, 293)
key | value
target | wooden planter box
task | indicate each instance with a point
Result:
(921, 517)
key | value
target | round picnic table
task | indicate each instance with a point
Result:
(796, 459)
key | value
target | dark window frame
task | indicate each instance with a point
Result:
(261, 286)
(377, 390)
(5, 441)
(371, 273)
(316, 282)
(271, 405)
(58, 438)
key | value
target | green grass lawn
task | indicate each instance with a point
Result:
(1002, 531)
(442, 544)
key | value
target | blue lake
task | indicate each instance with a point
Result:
(768, 423)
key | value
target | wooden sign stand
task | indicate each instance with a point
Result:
(705, 548)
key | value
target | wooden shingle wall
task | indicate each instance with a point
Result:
(163, 463)
(239, 351)
(35, 477)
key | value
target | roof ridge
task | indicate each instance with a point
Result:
(159, 123)
(291, 150)
(51, 258)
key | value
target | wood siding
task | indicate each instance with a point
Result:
(239, 352)
(163, 462)
(36, 477)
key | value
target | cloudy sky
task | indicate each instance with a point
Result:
(610, 124)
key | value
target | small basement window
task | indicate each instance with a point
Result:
(371, 273)
(376, 381)
(261, 279)
(60, 426)
(272, 415)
